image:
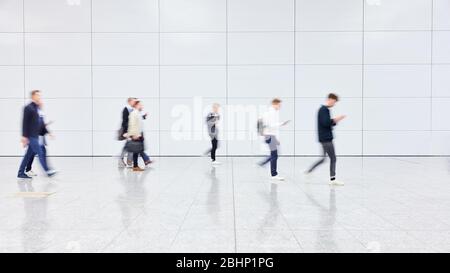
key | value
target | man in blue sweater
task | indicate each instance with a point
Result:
(325, 126)
(32, 127)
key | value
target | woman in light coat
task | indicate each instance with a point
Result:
(135, 130)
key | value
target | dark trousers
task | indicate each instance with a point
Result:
(34, 148)
(214, 145)
(30, 163)
(328, 148)
(273, 143)
(136, 155)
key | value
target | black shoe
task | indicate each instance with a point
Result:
(23, 176)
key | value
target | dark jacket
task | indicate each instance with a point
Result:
(31, 124)
(125, 114)
(325, 124)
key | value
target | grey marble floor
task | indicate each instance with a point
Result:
(185, 205)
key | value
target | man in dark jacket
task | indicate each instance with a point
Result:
(42, 141)
(325, 126)
(31, 129)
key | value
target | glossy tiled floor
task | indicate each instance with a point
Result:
(184, 205)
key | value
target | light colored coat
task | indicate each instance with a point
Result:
(135, 124)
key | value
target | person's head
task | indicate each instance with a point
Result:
(36, 96)
(332, 99)
(276, 103)
(138, 105)
(131, 101)
(215, 107)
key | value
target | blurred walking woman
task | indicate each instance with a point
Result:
(135, 133)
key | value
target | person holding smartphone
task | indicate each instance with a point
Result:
(325, 126)
(271, 133)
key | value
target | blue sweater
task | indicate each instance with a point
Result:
(325, 124)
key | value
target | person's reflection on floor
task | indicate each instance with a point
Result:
(325, 233)
(270, 218)
(213, 202)
(134, 196)
(35, 225)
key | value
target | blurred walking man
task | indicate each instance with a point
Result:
(271, 132)
(325, 126)
(32, 126)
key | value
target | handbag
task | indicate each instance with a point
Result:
(134, 146)
(120, 134)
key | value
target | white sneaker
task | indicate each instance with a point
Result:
(277, 178)
(51, 173)
(31, 173)
(336, 183)
(215, 163)
(121, 164)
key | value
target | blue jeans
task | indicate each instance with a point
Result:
(273, 143)
(30, 163)
(34, 148)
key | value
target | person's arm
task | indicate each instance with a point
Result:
(25, 125)
(125, 115)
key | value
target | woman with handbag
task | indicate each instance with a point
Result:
(135, 143)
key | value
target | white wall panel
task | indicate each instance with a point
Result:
(193, 15)
(397, 143)
(11, 145)
(57, 49)
(11, 16)
(59, 81)
(261, 48)
(441, 20)
(441, 114)
(125, 81)
(11, 82)
(261, 81)
(57, 16)
(397, 47)
(120, 16)
(439, 143)
(125, 49)
(398, 15)
(11, 49)
(319, 80)
(441, 80)
(328, 48)
(75, 143)
(329, 15)
(397, 81)
(74, 114)
(11, 111)
(203, 81)
(180, 56)
(441, 47)
(261, 15)
(193, 49)
(394, 114)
